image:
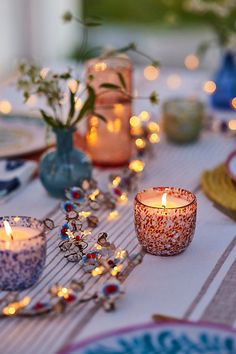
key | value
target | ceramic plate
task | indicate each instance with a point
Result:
(163, 338)
(21, 135)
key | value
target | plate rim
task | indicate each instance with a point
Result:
(37, 121)
(146, 325)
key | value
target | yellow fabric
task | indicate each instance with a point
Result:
(219, 187)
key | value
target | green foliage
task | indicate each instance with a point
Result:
(168, 13)
(53, 88)
(153, 98)
(122, 81)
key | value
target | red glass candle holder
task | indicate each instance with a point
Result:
(108, 70)
(109, 143)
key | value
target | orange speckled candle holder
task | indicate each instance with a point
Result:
(165, 231)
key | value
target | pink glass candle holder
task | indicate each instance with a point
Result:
(165, 219)
(107, 70)
(109, 143)
(22, 252)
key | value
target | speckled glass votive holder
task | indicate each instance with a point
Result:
(165, 231)
(22, 258)
(182, 119)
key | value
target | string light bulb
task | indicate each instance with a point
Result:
(137, 166)
(140, 143)
(154, 138)
(144, 116)
(98, 271)
(116, 181)
(113, 215)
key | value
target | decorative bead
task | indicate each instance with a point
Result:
(75, 194)
(92, 221)
(70, 298)
(68, 206)
(94, 205)
(111, 289)
(38, 306)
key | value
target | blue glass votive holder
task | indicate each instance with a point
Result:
(22, 252)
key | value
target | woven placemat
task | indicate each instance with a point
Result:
(220, 188)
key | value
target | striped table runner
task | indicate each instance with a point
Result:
(180, 166)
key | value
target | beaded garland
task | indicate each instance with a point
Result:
(77, 243)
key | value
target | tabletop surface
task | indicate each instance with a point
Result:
(196, 285)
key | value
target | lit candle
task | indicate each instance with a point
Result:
(165, 219)
(162, 201)
(16, 233)
(109, 143)
(22, 252)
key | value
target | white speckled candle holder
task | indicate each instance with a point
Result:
(165, 231)
(22, 260)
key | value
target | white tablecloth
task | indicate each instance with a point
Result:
(182, 286)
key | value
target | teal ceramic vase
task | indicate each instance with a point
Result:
(65, 166)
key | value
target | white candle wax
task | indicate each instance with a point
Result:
(19, 233)
(172, 202)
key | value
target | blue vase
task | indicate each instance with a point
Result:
(65, 166)
(225, 79)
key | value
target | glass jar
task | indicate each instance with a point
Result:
(182, 119)
(107, 70)
(22, 259)
(109, 143)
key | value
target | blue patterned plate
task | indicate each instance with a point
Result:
(162, 338)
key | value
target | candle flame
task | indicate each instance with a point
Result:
(164, 200)
(8, 229)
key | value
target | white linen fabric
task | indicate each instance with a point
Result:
(180, 286)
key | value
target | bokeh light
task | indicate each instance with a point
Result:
(151, 72)
(144, 116)
(174, 81)
(191, 62)
(5, 107)
(233, 103)
(153, 127)
(137, 165)
(154, 138)
(135, 122)
(209, 87)
(140, 143)
(232, 124)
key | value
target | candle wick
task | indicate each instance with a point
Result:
(11, 234)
